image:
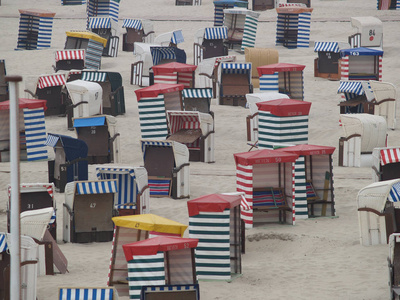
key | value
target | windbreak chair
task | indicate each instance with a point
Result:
(101, 136)
(369, 32)
(167, 163)
(209, 42)
(113, 90)
(174, 73)
(84, 99)
(137, 31)
(357, 97)
(327, 65)
(234, 83)
(220, 5)
(87, 211)
(70, 163)
(197, 100)
(129, 229)
(386, 163)
(103, 8)
(196, 131)
(35, 29)
(92, 43)
(133, 197)
(32, 130)
(106, 28)
(70, 60)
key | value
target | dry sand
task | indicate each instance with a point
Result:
(315, 259)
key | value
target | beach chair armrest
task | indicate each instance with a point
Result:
(30, 93)
(143, 189)
(112, 139)
(206, 136)
(69, 210)
(79, 103)
(177, 169)
(147, 34)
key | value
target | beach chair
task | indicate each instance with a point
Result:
(327, 64)
(197, 100)
(70, 60)
(137, 31)
(101, 136)
(385, 101)
(107, 28)
(87, 293)
(259, 57)
(369, 32)
(3, 84)
(88, 209)
(209, 42)
(386, 163)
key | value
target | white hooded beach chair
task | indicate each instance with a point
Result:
(362, 133)
(377, 211)
(369, 32)
(385, 97)
(172, 38)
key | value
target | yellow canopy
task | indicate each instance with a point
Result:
(87, 35)
(150, 222)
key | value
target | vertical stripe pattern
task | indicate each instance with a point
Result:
(42, 26)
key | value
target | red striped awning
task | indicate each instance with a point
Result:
(51, 80)
(70, 55)
(389, 156)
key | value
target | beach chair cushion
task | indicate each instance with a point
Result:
(311, 194)
(160, 187)
(269, 198)
(105, 293)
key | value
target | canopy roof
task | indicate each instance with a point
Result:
(227, 2)
(37, 12)
(360, 51)
(264, 156)
(25, 103)
(157, 244)
(87, 35)
(150, 222)
(279, 67)
(304, 149)
(156, 89)
(285, 107)
(173, 67)
(293, 10)
(213, 203)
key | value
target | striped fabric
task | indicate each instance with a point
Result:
(35, 134)
(70, 55)
(236, 68)
(272, 198)
(394, 194)
(51, 140)
(269, 82)
(128, 185)
(160, 187)
(352, 87)
(51, 80)
(94, 76)
(93, 54)
(185, 78)
(300, 189)
(177, 37)
(132, 23)
(3, 242)
(326, 47)
(197, 93)
(379, 3)
(170, 288)
(152, 117)
(154, 143)
(42, 25)
(145, 270)
(250, 31)
(107, 8)
(137, 71)
(96, 187)
(244, 184)
(281, 130)
(278, 82)
(389, 156)
(72, 2)
(219, 13)
(215, 33)
(86, 294)
(98, 23)
(300, 22)
(160, 53)
(344, 71)
(212, 254)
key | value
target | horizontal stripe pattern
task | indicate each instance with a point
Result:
(35, 134)
(41, 25)
(152, 117)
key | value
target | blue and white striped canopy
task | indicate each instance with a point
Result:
(177, 37)
(94, 76)
(96, 23)
(394, 194)
(354, 87)
(235, 68)
(197, 93)
(326, 47)
(132, 23)
(159, 53)
(155, 143)
(3, 242)
(215, 33)
(96, 187)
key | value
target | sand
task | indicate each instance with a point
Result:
(315, 259)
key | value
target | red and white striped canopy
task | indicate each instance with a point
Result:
(70, 55)
(51, 80)
(389, 156)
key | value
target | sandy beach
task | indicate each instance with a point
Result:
(318, 258)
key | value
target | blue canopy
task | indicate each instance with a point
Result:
(88, 122)
(360, 51)
(227, 2)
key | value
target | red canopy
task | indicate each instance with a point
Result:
(157, 244)
(213, 203)
(279, 67)
(304, 149)
(25, 103)
(173, 67)
(285, 107)
(156, 89)
(265, 156)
